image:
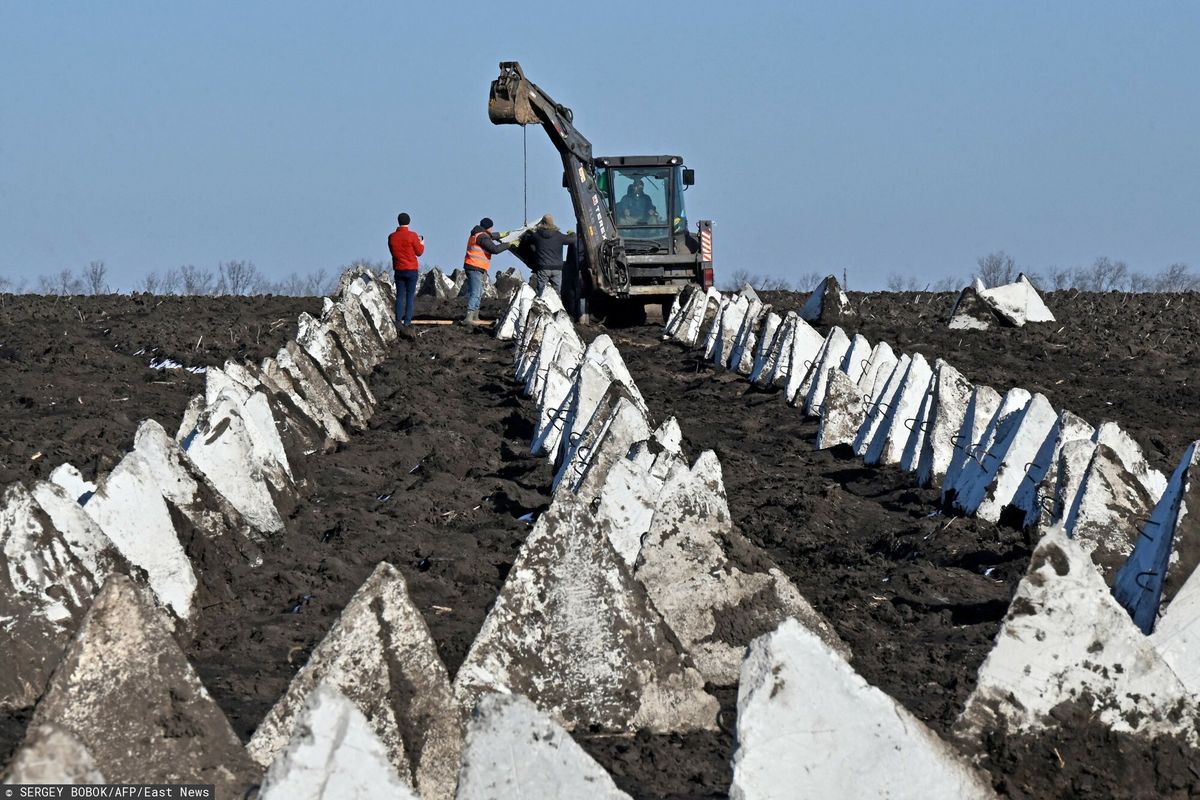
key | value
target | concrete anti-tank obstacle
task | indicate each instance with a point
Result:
(45, 589)
(309, 378)
(900, 416)
(971, 312)
(52, 755)
(881, 361)
(1107, 512)
(514, 315)
(762, 347)
(828, 304)
(561, 346)
(133, 514)
(314, 404)
(1065, 639)
(1129, 453)
(996, 477)
(333, 752)
(731, 325)
(805, 348)
(320, 340)
(950, 394)
(72, 481)
(771, 365)
(601, 657)
(703, 308)
(857, 357)
(810, 393)
(222, 444)
(360, 345)
(540, 316)
(1037, 495)
(881, 401)
(128, 695)
(623, 425)
(300, 429)
(1168, 549)
(977, 465)
(514, 752)
(715, 589)
(435, 283)
(1018, 302)
(842, 412)
(1176, 633)
(675, 317)
(551, 411)
(741, 358)
(712, 335)
(377, 298)
(809, 726)
(379, 654)
(918, 426)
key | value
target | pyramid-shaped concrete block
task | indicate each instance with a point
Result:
(322, 342)
(712, 334)
(978, 466)
(900, 417)
(94, 551)
(309, 404)
(842, 413)
(1167, 550)
(71, 479)
(1130, 454)
(44, 591)
(881, 360)
(741, 359)
(1036, 497)
(700, 309)
(1005, 465)
(514, 752)
(231, 445)
(377, 298)
(128, 695)
(615, 425)
(971, 312)
(551, 298)
(359, 343)
(52, 755)
(1018, 302)
(1109, 509)
(828, 304)
(564, 351)
(309, 379)
(435, 283)
(918, 426)
(1066, 640)
(950, 394)
(1176, 633)
(811, 391)
(715, 589)
(882, 400)
(773, 361)
(379, 654)
(513, 317)
(627, 500)
(300, 429)
(133, 514)
(809, 726)
(764, 344)
(333, 749)
(732, 320)
(552, 411)
(575, 632)
(983, 405)
(857, 358)
(806, 346)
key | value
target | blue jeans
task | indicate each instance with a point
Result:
(475, 278)
(406, 295)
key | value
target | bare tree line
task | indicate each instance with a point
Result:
(229, 278)
(998, 268)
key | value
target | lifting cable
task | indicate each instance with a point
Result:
(525, 158)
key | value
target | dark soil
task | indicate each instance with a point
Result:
(438, 482)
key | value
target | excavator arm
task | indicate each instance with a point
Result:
(515, 100)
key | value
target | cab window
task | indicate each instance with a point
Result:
(641, 199)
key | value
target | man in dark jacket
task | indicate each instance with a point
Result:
(546, 242)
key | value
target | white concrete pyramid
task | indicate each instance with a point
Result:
(805, 350)
(1035, 498)
(811, 392)
(380, 656)
(515, 752)
(1018, 302)
(333, 753)
(601, 656)
(514, 315)
(693, 564)
(1005, 464)
(1108, 510)
(809, 726)
(741, 360)
(980, 462)
(128, 695)
(762, 347)
(842, 413)
(52, 755)
(858, 357)
(882, 400)
(881, 362)
(1065, 639)
(900, 416)
(1166, 551)
(828, 304)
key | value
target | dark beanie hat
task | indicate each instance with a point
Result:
(486, 222)
(403, 219)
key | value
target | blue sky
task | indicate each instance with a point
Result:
(874, 138)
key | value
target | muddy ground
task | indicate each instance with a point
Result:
(439, 481)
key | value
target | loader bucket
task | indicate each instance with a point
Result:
(508, 101)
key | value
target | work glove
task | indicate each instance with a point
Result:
(502, 235)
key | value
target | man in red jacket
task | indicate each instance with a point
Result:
(405, 246)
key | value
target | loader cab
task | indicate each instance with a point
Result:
(644, 194)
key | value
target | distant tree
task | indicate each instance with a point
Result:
(237, 277)
(195, 280)
(63, 284)
(997, 269)
(946, 284)
(95, 278)
(1058, 278)
(897, 282)
(172, 280)
(1177, 278)
(1105, 275)
(763, 283)
(150, 283)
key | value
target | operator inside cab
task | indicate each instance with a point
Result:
(636, 207)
